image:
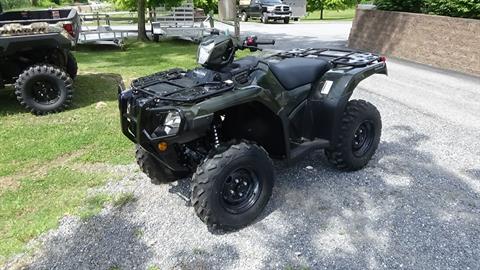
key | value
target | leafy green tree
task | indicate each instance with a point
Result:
(321, 5)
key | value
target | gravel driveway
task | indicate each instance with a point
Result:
(417, 204)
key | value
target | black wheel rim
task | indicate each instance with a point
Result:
(241, 189)
(363, 138)
(44, 92)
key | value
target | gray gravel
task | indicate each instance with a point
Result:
(417, 204)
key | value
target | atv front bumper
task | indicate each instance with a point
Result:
(143, 122)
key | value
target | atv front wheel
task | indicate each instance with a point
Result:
(44, 89)
(357, 138)
(156, 171)
(232, 188)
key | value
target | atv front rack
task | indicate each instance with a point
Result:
(337, 57)
(173, 85)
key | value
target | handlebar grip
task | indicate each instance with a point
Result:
(266, 42)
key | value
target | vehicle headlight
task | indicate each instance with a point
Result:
(172, 123)
(204, 51)
(270, 8)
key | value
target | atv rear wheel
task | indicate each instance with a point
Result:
(232, 188)
(44, 89)
(358, 136)
(156, 171)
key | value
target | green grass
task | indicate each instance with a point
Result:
(41, 158)
(330, 15)
(93, 205)
(123, 199)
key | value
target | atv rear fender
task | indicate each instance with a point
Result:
(329, 96)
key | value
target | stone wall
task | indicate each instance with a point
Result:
(445, 42)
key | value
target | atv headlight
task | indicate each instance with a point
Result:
(204, 51)
(172, 123)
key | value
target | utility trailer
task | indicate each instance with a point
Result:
(179, 22)
(101, 32)
(298, 8)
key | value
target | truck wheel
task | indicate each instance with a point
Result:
(232, 188)
(44, 89)
(358, 137)
(156, 37)
(156, 171)
(72, 66)
(286, 20)
(264, 18)
(244, 17)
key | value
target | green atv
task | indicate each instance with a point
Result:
(224, 122)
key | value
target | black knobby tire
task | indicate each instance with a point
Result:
(156, 38)
(244, 17)
(286, 21)
(43, 89)
(358, 136)
(156, 171)
(72, 66)
(264, 18)
(220, 180)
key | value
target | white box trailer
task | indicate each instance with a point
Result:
(298, 8)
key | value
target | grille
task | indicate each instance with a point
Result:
(286, 8)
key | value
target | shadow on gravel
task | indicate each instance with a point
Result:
(403, 210)
(200, 259)
(103, 242)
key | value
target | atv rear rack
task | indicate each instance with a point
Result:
(337, 57)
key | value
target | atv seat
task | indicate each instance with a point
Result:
(295, 72)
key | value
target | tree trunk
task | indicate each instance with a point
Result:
(321, 10)
(142, 33)
(34, 2)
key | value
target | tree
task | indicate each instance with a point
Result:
(142, 32)
(313, 5)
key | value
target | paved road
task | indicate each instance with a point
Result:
(417, 204)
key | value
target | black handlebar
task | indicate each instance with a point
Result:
(266, 42)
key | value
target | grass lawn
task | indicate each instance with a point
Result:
(43, 159)
(330, 15)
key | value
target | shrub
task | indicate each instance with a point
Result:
(454, 8)
(400, 5)
(11, 4)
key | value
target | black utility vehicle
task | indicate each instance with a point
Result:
(265, 10)
(35, 56)
(223, 122)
